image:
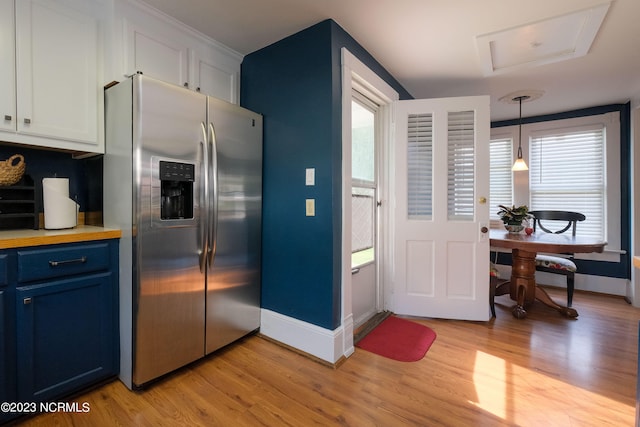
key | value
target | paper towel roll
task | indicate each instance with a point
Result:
(59, 210)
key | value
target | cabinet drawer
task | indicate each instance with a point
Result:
(37, 264)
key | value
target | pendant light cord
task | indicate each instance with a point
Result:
(520, 164)
(520, 98)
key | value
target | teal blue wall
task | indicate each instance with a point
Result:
(296, 84)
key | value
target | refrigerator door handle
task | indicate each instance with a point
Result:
(213, 213)
(204, 201)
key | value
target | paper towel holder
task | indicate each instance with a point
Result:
(60, 211)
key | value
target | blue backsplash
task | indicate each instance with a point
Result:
(85, 175)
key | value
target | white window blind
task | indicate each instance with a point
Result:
(500, 175)
(567, 172)
(461, 164)
(420, 166)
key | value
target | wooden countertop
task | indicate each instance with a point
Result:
(82, 233)
(636, 261)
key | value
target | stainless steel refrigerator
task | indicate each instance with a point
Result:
(183, 181)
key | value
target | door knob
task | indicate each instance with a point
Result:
(484, 229)
(482, 200)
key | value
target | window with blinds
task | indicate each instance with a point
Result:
(420, 166)
(500, 175)
(567, 172)
(461, 165)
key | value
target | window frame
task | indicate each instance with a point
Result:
(604, 193)
(616, 118)
(372, 106)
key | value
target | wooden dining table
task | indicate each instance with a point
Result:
(524, 248)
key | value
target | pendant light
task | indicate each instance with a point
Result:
(519, 164)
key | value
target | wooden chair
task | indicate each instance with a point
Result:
(494, 282)
(555, 264)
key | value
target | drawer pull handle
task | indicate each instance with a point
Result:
(26, 301)
(70, 261)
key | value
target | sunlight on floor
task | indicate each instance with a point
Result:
(502, 389)
(491, 394)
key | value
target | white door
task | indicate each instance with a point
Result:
(441, 215)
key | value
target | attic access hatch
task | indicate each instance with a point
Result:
(551, 40)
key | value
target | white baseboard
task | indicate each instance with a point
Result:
(322, 343)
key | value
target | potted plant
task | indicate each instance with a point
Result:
(513, 216)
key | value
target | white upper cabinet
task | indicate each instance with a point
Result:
(165, 49)
(56, 59)
(156, 55)
(57, 80)
(56, 56)
(7, 67)
(217, 75)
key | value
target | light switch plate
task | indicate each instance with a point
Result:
(311, 207)
(310, 178)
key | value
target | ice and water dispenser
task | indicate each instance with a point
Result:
(176, 190)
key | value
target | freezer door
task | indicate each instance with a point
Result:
(233, 277)
(169, 299)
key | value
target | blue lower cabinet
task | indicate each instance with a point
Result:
(5, 390)
(7, 335)
(3, 348)
(65, 335)
(58, 321)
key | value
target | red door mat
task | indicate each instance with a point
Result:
(399, 339)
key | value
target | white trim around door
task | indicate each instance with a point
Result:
(356, 75)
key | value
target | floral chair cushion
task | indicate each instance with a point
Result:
(555, 262)
(493, 271)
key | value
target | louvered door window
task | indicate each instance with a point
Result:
(567, 172)
(420, 166)
(460, 166)
(500, 175)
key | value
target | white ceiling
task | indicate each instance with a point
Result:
(431, 46)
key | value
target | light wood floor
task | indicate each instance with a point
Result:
(545, 370)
